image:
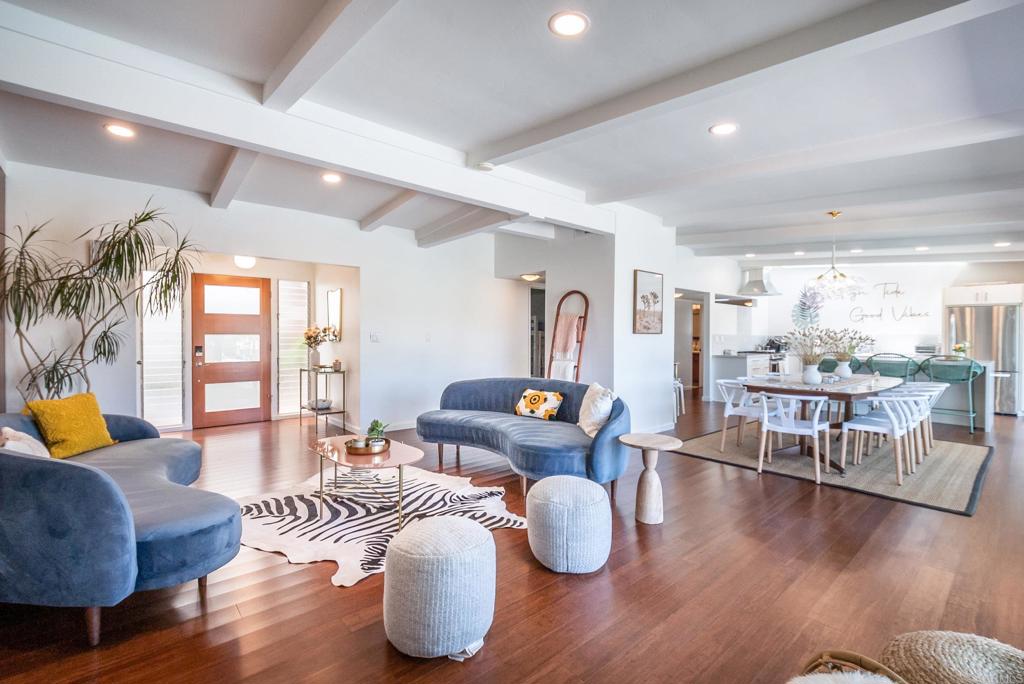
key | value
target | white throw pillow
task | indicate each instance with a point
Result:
(596, 408)
(23, 443)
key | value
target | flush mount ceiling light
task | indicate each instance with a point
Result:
(530, 277)
(331, 177)
(119, 130)
(569, 24)
(724, 128)
(1000, 244)
(245, 262)
(922, 248)
(486, 167)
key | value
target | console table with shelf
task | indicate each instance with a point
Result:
(309, 383)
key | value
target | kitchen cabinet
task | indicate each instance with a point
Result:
(981, 295)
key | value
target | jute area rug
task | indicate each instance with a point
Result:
(950, 479)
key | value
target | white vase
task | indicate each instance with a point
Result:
(314, 357)
(812, 376)
(843, 369)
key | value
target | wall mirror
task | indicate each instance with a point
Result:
(334, 313)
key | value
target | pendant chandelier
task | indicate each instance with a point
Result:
(833, 283)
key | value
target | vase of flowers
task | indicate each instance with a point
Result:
(809, 345)
(842, 345)
(961, 349)
(313, 338)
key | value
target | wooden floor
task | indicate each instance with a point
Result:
(747, 577)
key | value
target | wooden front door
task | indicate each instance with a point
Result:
(230, 350)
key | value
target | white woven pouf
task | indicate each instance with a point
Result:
(439, 576)
(569, 524)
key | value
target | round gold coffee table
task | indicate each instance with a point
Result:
(650, 506)
(398, 456)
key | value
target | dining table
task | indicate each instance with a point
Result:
(846, 391)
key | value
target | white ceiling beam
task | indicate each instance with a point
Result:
(3, 160)
(821, 251)
(922, 227)
(448, 219)
(530, 229)
(1007, 186)
(960, 255)
(231, 178)
(335, 30)
(380, 216)
(860, 30)
(110, 88)
(901, 143)
(476, 221)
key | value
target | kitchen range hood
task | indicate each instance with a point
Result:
(756, 284)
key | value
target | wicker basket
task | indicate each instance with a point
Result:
(848, 661)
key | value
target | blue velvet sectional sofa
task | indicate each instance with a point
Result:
(481, 413)
(89, 530)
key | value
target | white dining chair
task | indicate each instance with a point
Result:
(934, 391)
(739, 403)
(917, 407)
(779, 416)
(890, 419)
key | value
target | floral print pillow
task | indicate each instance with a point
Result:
(539, 404)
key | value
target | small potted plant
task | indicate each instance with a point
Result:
(375, 433)
(961, 348)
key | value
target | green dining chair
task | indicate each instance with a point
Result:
(827, 365)
(892, 365)
(956, 370)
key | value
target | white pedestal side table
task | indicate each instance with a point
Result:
(650, 507)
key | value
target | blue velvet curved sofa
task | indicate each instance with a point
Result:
(481, 413)
(87, 531)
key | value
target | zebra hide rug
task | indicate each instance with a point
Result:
(357, 525)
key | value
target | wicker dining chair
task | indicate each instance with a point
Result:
(892, 365)
(835, 662)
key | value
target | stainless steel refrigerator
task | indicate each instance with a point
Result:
(994, 335)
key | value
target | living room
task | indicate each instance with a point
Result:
(382, 340)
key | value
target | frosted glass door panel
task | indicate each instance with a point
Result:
(231, 396)
(230, 299)
(222, 348)
(292, 321)
(162, 363)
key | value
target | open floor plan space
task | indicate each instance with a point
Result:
(512, 341)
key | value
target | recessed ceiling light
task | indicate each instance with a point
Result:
(726, 128)
(530, 277)
(798, 253)
(119, 130)
(922, 248)
(1000, 244)
(569, 24)
(245, 262)
(331, 177)
(750, 255)
(856, 250)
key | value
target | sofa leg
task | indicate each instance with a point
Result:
(458, 456)
(92, 625)
(202, 584)
(440, 457)
(613, 483)
(524, 483)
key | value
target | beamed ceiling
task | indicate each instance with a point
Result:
(905, 114)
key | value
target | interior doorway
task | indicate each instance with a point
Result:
(537, 307)
(230, 349)
(691, 340)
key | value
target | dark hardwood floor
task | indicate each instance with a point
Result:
(747, 578)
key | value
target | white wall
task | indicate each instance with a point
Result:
(439, 314)
(347, 349)
(643, 363)
(573, 261)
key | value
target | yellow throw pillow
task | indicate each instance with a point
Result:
(72, 425)
(539, 404)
